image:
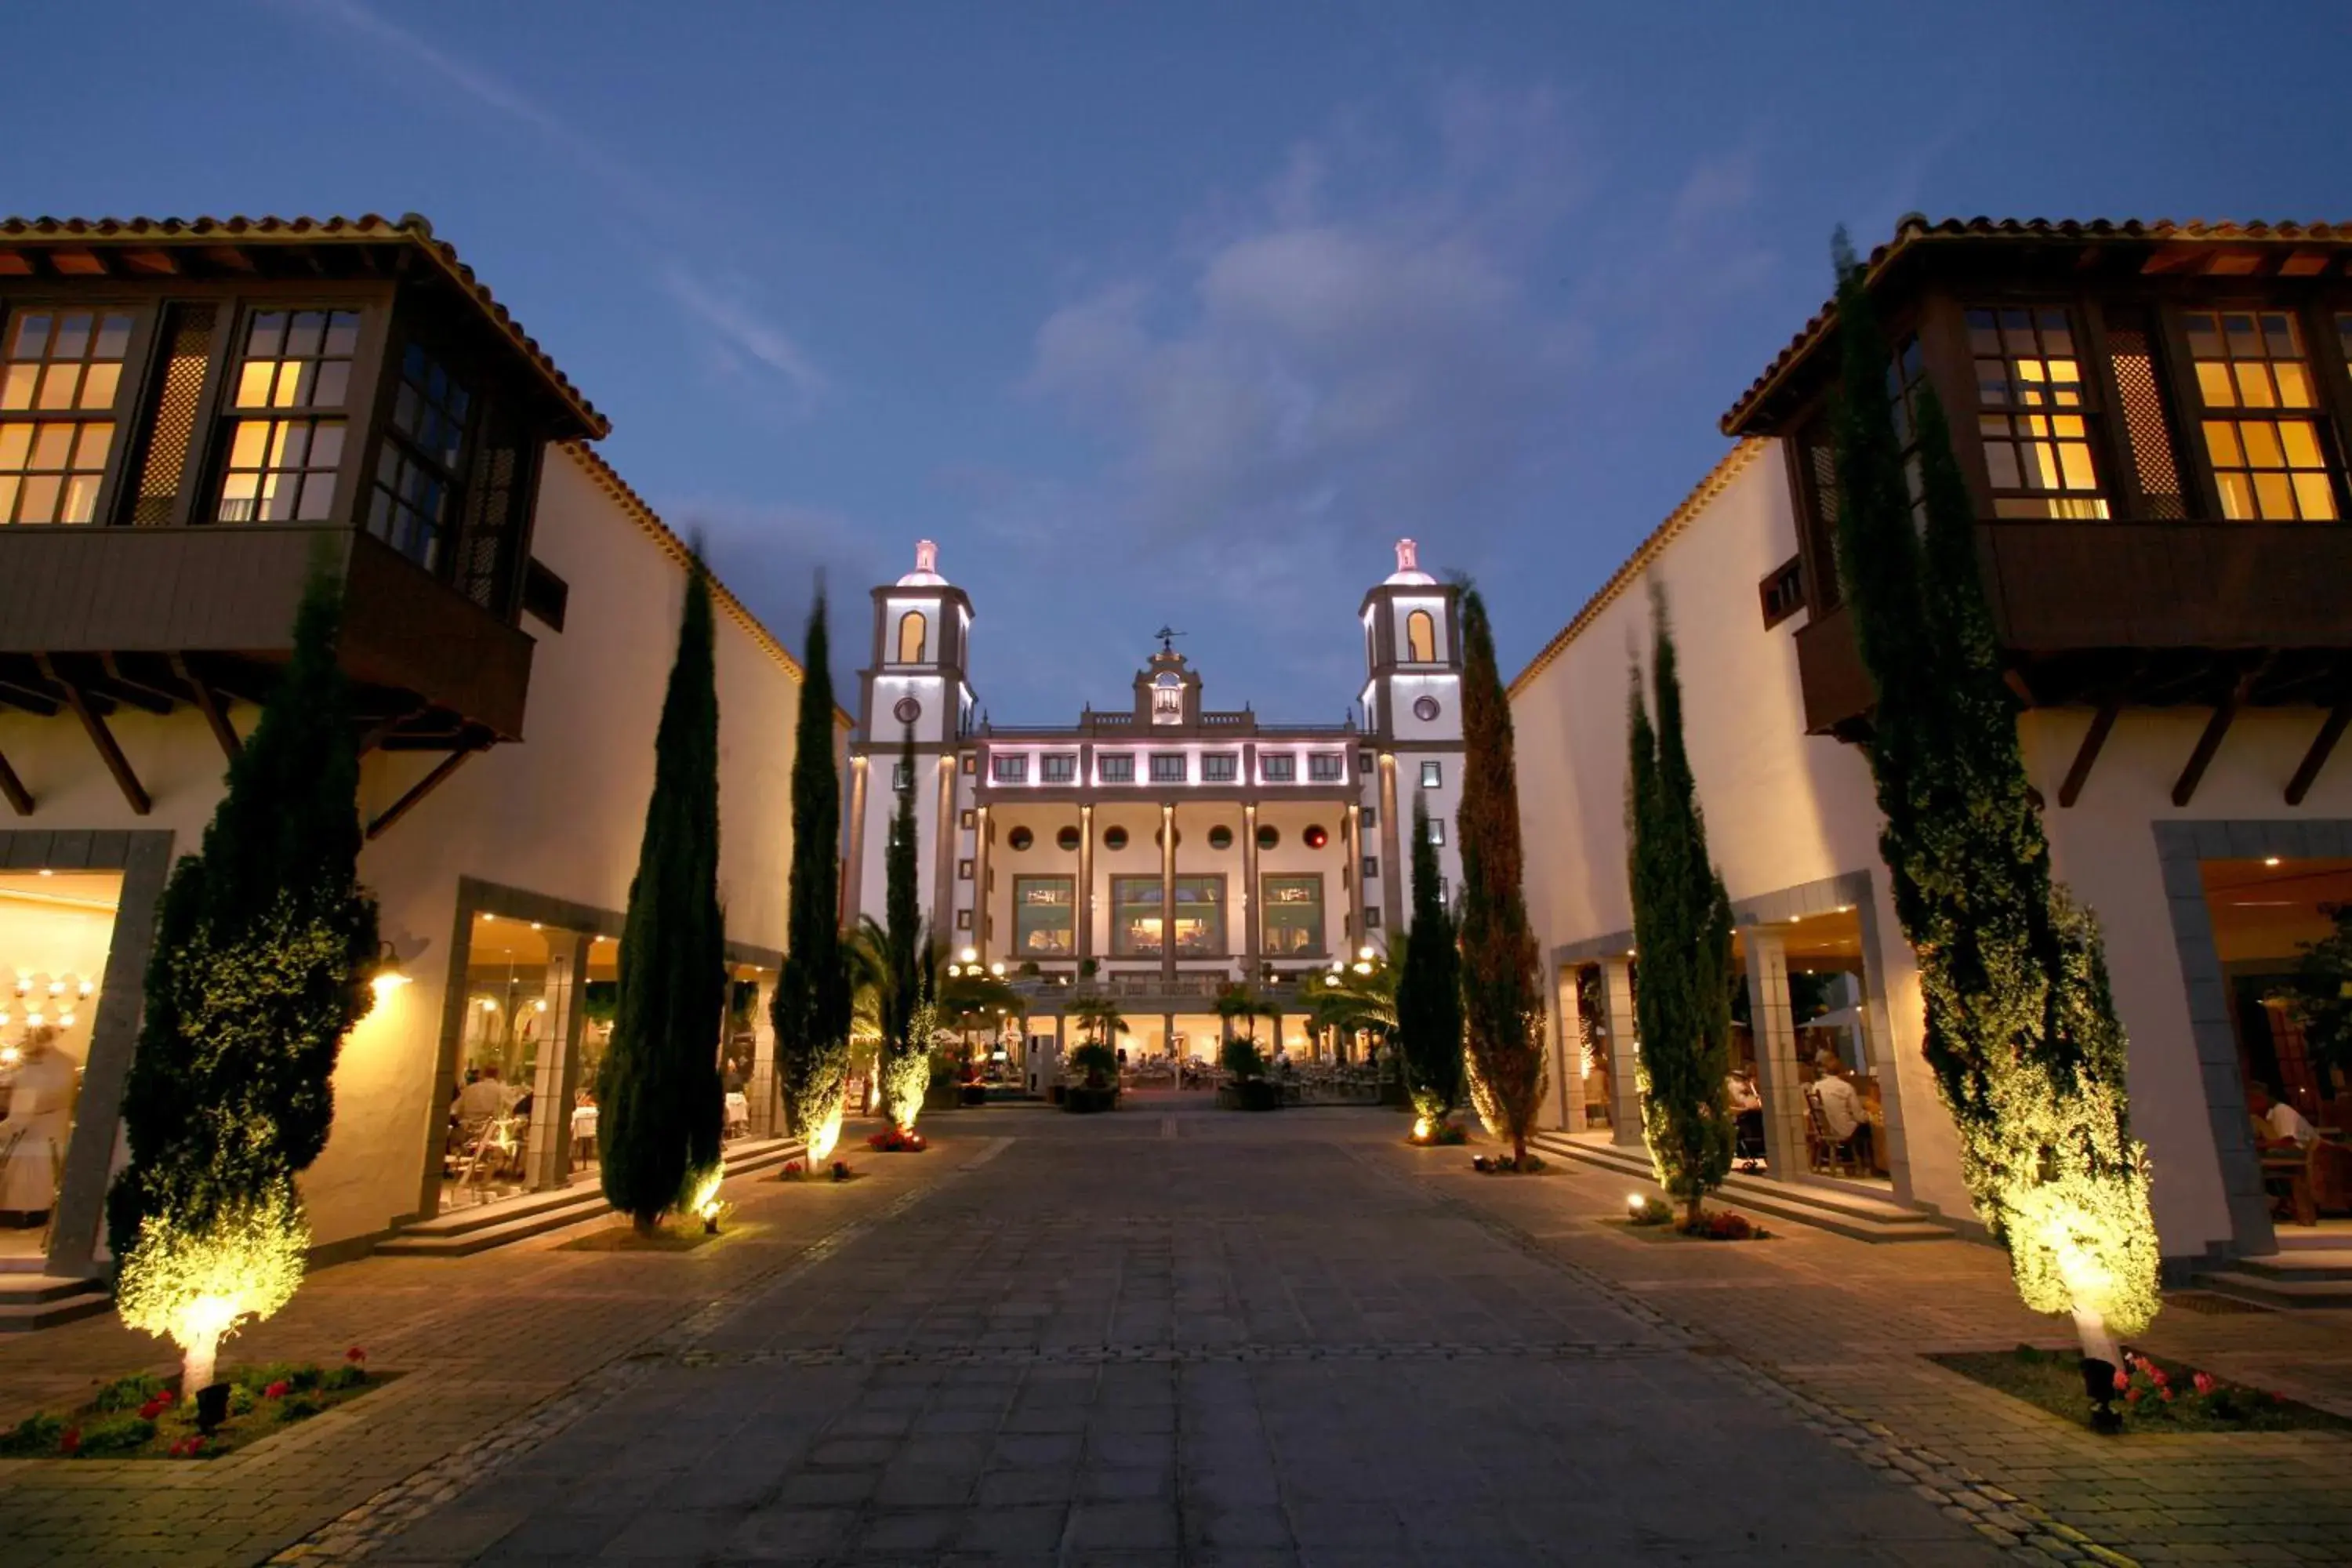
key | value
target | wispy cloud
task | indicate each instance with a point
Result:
(726, 327)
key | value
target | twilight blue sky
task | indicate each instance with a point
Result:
(1173, 312)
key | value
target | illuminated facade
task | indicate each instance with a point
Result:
(2152, 421)
(1163, 849)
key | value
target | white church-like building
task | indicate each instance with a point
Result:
(1162, 851)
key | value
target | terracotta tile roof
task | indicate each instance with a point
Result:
(1916, 230)
(608, 479)
(367, 228)
(1733, 463)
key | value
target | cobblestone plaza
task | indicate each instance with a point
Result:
(1173, 1336)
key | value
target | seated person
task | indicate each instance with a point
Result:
(1844, 1115)
(2278, 1127)
(483, 1098)
(1747, 1115)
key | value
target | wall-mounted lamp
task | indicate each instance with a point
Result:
(389, 975)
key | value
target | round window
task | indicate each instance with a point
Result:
(1425, 709)
(907, 710)
(1268, 837)
(1114, 837)
(1020, 839)
(1315, 837)
(1067, 839)
(1221, 837)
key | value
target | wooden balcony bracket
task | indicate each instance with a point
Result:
(138, 693)
(2093, 738)
(15, 694)
(101, 737)
(475, 741)
(19, 798)
(2331, 730)
(2225, 713)
(210, 704)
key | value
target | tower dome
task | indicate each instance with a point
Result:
(926, 574)
(1409, 570)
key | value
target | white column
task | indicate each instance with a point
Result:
(1774, 1031)
(547, 1155)
(1625, 1113)
(1568, 1049)
(761, 1089)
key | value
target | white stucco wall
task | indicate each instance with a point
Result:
(560, 815)
(1783, 808)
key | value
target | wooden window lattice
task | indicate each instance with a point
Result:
(173, 422)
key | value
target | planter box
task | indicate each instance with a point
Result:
(1081, 1098)
(1054, 1092)
(1256, 1095)
(974, 1094)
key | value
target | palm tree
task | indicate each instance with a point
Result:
(1100, 1016)
(1362, 996)
(1241, 1005)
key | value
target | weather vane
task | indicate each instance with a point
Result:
(1167, 636)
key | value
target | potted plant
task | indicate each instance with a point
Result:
(1096, 1086)
(1247, 1087)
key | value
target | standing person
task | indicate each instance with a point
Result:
(33, 1137)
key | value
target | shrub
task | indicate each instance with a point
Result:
(1650, 1210)
(301, 1407)
(1097, 1064)
(128, 1393)
(36, 1433)
(1240, 1057)
(120, 1435)
(349, 1375)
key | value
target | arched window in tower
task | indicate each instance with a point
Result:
(911, 630)
(1421, 637)
(1167, 698)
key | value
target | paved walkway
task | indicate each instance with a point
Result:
(1175, 1336)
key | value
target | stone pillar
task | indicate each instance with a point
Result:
(1351, 862)
(1168, 894)
(1395, 853)
(1774, 1031)
(1254, 916)
(547, 1157)
(980, 900)
(1568, 1048)
(761, 1091)
(853, 861)
(1086, 884)
(1625, 1095)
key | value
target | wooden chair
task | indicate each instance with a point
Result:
(1831, 1155)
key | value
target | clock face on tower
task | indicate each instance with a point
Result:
(1425, 709)
(907, 710)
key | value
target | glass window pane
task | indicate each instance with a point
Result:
(2074, 457)
(2301, 442)
(318, 496)
(279, 432)
(2254, 386)
(2273, 497)
(253, 382)
(266, 335)
(2017, 331)
(343, 333)
(327, 444)
(114, 338)
(2294, 384)
(80, 502)
(97, 436)
(2313, 497)
(58, 383)
(293, 444)
(251, 441)
(1992, 382)
(2238, 331)
(2213, 384)
(17, 391)
(293, 383)
(98, 384)
(2237, 495)
(31, 336)
(277, 498)
(16, 441)
(2222, 443)
(40, 500)
(2204, 334)
(2056, 338)
(2001, 460)
(2260, 438)
(2279, 335)
(73, 336)
(1045, 917)
(331, 386)
(8, 483)
(52, 445)
(304, 333)
(1984, 337)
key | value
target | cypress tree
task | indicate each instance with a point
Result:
(1503, 1006)
(1429, 989)
(811, 1006)
(662, 1102)
(1681, 930)
(910, 1009)
(264, 944)
(2019, 1027)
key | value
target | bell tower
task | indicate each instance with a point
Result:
(1413, 655)
(922, 636)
